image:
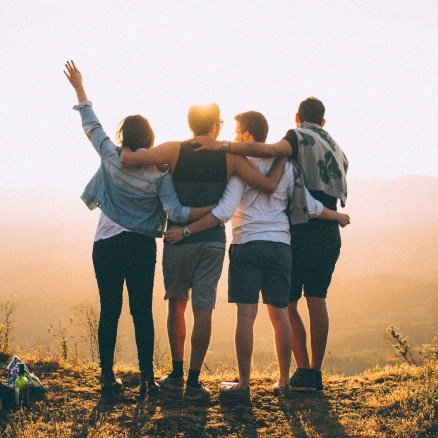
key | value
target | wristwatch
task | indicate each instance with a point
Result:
(186, 232)
(225, 145)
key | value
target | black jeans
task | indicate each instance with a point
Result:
(127, 256)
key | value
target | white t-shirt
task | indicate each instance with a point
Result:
(106, 228)
(260, 216)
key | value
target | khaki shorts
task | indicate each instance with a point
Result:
(195, 266)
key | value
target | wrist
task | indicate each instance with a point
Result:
(225, 145)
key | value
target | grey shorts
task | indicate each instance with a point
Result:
(196, 266)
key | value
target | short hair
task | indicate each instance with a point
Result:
(311, 110)
(135, 132)
(255, 123)
(201, 118)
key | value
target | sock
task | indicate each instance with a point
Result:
(192, 380)
(177, 369)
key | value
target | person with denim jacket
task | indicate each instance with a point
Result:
(133, 202)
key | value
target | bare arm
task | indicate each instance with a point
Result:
(221, 214)
(252, 149)
(198, 212)
(75, 78)
(176, 234)
(162, 154)
(241, 167)
(342, 219)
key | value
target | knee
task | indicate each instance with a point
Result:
(202, 317)
(110, 311)
(293, 309)
(141, 314)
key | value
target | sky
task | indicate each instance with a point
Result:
(373, 64)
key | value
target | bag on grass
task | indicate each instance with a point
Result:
(35, 384)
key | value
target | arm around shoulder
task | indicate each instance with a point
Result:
(161, 154)
(262, 150)
(249, 149)
(253, 177)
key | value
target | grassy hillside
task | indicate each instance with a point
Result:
(398, 401)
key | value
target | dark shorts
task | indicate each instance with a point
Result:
(314, 256)
(259, 266)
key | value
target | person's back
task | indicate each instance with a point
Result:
(200, 180)
(124, 246)
(318, 155)
(315, 245)
(260, 258)
(260, 216)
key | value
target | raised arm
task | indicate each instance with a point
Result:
(241, 167)
(252, 149)
(75, 78)
(90, 123)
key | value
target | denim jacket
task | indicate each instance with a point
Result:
(133, 197)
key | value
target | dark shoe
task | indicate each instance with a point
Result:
(282, 391)
(172, 384)
(149, 388)
(303, 380)
(193, 394)
(228, 392)
(109, 384)
(318, 381)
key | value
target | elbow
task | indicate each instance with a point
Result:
(270, 189)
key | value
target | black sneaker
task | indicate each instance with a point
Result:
(109, 384)
(318, 381)
(303, 380)
(149, 388)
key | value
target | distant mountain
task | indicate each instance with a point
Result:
(375, 203)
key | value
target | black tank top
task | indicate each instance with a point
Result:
(200, 179)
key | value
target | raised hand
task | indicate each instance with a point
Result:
(75, 78)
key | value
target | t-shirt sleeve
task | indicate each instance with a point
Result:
(292, 139)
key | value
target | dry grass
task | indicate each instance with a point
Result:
(398, 401)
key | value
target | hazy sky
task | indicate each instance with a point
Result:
(373, 64)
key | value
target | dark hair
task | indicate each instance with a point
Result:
(255, 123)
(135, 132)
(311, 110)
(201, 118)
